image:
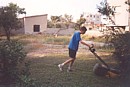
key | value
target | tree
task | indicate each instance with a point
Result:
(49, 24)
(119, 39)
(55, 19)
(9, 18)
(67, 20)
(81, 21)
(107, 10)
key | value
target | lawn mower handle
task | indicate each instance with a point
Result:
(92, 49)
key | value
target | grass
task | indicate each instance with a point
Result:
(95, 39)
(45, 71)
(61, 40)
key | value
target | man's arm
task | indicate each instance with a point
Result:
(84, 43)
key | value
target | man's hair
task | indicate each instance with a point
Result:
(83, 28)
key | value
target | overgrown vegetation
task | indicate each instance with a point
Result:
(121, 44)
(14, 68)
(119, 39)
(121, 48)
(11, 55)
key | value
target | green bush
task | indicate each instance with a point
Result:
(11, 56)
(13, 66)
(121, 44)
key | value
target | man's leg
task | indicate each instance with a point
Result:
(70, 65)
(72, 55)
(64, 63)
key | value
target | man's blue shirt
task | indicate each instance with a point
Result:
(74, 42)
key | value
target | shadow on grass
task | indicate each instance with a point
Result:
(46, 72)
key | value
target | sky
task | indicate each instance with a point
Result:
(55, 7)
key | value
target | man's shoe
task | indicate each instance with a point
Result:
(69, 70)
(60, 67)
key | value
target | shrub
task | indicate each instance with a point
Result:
(13, 66)
(11, 55)
(121, 44)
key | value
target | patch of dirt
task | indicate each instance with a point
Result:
(41, 50)
(37, 49)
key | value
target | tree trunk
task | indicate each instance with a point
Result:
(7, 32)
(113, 22)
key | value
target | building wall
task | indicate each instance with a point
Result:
(29, 23)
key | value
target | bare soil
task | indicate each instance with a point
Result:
(38, 49)
(41, 50)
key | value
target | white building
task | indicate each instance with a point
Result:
(32, 24)
(93, 18)
(93, 21)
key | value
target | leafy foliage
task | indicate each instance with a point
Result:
(55, 19)
(81, 21)
(9, 19)
(107, 10)
(60, 21)
(11, 55)
(49, 24)
(67, 20)
(121, 44)
(14, 68)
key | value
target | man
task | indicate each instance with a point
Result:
(73, 48)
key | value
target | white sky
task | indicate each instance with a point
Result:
(55, 7)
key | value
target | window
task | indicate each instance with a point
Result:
(36, 28)
(97, 16)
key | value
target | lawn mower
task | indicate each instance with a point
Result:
(103, 69)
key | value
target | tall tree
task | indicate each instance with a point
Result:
(9, 18)
(107, 10)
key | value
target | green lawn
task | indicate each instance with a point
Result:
(45, 71)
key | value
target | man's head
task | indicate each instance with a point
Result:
(83, 30)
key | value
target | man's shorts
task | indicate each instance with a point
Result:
(72, 53)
